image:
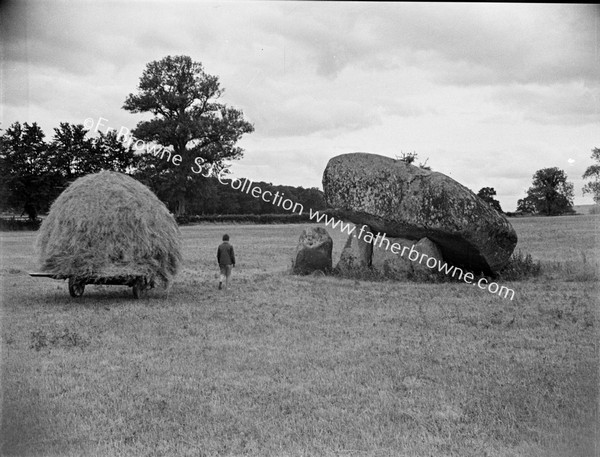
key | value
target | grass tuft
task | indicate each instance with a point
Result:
(65, 338)
(520, 267)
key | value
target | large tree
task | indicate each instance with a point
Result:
(189, 121)
(550, 193)
(593, 172)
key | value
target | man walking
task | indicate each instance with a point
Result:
(226, 259)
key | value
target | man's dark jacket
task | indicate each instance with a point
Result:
(225, 254)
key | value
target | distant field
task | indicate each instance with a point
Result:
(585, 209)
(300, 366)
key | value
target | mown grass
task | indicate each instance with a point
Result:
(282, 365)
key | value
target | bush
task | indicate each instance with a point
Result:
(244, 218)
(14, 223)
(520, 266)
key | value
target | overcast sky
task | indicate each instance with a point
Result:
(487, 93)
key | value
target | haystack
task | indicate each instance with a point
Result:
(109, 225)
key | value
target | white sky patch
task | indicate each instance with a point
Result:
(489, 93)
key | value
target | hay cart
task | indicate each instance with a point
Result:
(139, 284)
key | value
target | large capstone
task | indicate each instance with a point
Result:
(404, 201)
(313, 251)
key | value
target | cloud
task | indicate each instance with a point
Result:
(489, 92)
(493, 44)
(300, 167)
(567, 103)
(305, 115)
(462, 44)
(324, 37)
(55, 36)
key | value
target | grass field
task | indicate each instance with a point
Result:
(281, 365)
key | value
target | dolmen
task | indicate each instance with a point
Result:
(415, 207)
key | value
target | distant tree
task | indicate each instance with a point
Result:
(112, 152)
(71, 152)
(4, 168)
(188, 120)
(526, 205)
(487, 194)
(593, 172)
(312, 198)
(550, 193)
(220, 199)
(24, 169)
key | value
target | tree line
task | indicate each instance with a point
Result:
(36, 171)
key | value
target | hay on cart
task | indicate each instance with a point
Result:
(109, 225)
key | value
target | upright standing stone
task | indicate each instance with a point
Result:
(428, 248)
(313, 251)
(390, 263)
(356, 255)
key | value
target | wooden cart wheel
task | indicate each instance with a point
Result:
(76, 288)
(138, 288)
